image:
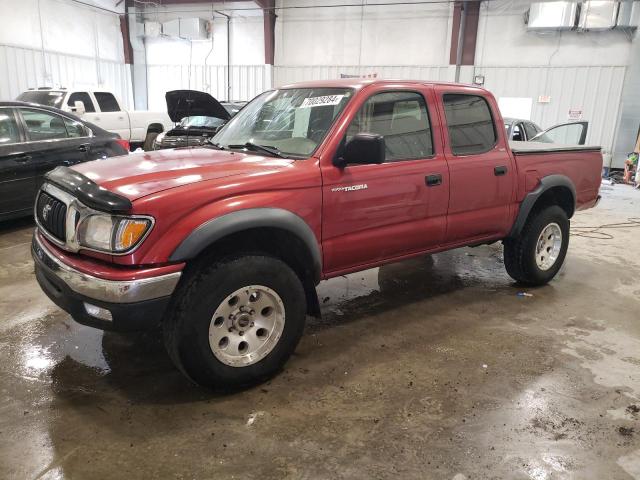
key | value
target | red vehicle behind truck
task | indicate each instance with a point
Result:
(223, 245)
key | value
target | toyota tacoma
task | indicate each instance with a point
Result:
(222, 245)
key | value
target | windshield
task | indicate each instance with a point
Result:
(201, 122)
(42, 97)
(293, 121)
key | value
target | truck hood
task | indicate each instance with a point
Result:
(140, 174)
(192, 103)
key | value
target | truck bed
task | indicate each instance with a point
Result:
(540, 147)
(580, 163)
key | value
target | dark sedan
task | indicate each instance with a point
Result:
(35, 139)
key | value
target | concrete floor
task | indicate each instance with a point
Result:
(430, 368)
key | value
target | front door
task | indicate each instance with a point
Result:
(377, 212)
(482, 171)
(17, 176)
(572, 133)
(53, 140)
(112, 118)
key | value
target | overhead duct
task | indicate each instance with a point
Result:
(628, 14)
(598, 15)
(552, 16)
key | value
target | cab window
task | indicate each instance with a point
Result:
(402, 119)
(82, 97)
(470, 124)
(107, 102)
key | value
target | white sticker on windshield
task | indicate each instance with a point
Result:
(321, 101)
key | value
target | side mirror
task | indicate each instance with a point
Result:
(363, 148)
(78, 108)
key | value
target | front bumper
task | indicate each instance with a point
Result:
(132, 304)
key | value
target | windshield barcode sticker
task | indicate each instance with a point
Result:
(321, 101)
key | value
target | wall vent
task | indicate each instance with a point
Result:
(598, 15)
(190, 28)
(552, 16)
(628, 14)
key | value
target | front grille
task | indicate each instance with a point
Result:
(51, 214)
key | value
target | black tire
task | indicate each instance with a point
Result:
(147, 146)
(520, 253)
(186, 327)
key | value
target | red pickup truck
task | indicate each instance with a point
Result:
(223, 245)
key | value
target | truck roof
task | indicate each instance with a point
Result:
(359, 83)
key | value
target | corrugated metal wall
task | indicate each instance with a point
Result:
(22, 68)
(596, 91)
(247, 81)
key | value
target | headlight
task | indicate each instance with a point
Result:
(158, 141)
(112, 234)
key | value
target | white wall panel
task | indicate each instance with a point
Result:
(366, 34)
(595, 90)
(62, 26)
(23, 68)
(247, 81)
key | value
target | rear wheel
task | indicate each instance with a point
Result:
(235, 323)
(149, 140)
(536, 256)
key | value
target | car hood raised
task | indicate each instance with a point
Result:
(192, 103)
(140, 174)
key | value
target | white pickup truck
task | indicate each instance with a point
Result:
(102, 107)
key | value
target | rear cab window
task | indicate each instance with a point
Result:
(107, 102)
(470, 123)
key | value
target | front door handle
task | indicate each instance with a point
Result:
(500, 170)
(433, 180)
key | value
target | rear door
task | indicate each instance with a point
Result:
(49, 143)
(481, 169)
(377, 212)
(17, 176)
(111, 116)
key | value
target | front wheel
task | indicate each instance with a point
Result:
(235, 323)
(535, 257)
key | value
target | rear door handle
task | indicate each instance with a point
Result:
(84, 147)
(499, 171)
(433, 180)
(22, 158)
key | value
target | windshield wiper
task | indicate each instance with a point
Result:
(214, 144)
(262, 148)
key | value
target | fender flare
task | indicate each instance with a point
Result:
(217, 228)
(532, 197)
